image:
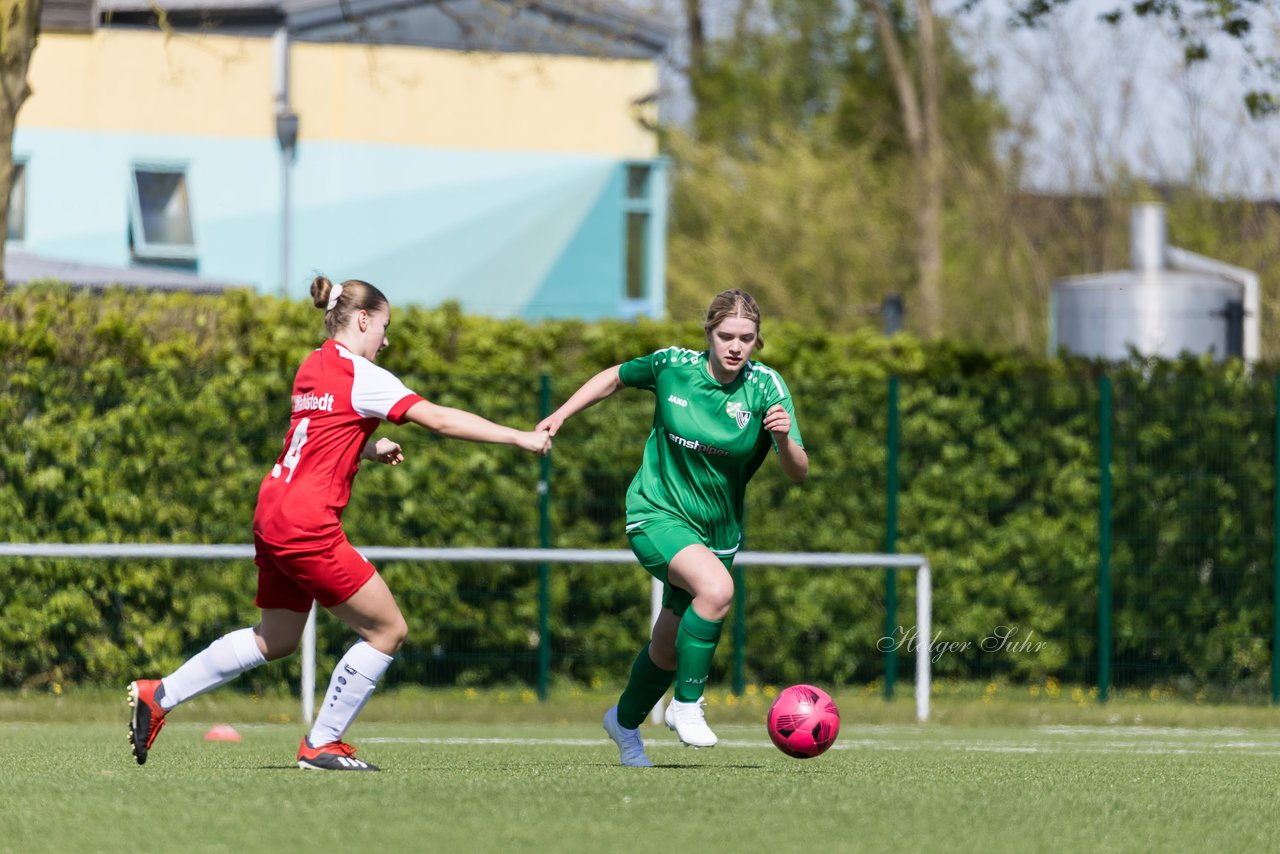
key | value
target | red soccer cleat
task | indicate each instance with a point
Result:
(147, 719)
(338, 756)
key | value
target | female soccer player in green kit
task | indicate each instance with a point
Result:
(717, 414)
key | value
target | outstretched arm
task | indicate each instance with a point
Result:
(794, 461)
(592, 392)
(460, 424)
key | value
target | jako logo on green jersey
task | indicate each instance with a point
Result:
(678, 401)
(695, 445)
(737, 413)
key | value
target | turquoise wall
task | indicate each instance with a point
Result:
(504, 234)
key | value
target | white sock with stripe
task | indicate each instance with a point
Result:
(219, 663)
(351, 686)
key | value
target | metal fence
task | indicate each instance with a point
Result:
(1117, 532)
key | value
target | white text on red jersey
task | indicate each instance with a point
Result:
(309, 401)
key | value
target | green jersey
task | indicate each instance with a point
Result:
(707, 441)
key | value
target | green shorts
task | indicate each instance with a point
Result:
(655, 544)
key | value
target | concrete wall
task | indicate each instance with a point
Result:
(496, 180)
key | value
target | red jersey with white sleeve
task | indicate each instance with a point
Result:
(339, 399)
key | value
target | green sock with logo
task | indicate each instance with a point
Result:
(696, 642)
(645, 687)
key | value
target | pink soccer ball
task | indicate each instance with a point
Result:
(803, 721)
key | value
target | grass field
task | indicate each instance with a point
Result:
(466, 774)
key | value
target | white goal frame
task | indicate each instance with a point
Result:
(828, 560)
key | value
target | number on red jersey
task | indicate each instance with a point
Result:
(291, 456)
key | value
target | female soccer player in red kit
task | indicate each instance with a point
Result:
(339, 398)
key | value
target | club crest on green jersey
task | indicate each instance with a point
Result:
(737, 413)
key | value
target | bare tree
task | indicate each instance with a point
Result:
(18, 33)
(697, 30)
(1193, 23)
(921, 120)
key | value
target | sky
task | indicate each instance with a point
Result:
(1089, 100)
(1096, 96)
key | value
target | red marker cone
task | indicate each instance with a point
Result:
(222, 732)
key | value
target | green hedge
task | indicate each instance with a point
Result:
(131, 417)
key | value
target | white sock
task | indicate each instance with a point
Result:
(352, 685)
(219, 663)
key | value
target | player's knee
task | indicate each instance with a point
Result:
(717, 594)
(278, 647)
(401, 633)
(390, 636)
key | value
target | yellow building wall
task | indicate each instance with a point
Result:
(140, 82)
(212, 85)
(451, 99)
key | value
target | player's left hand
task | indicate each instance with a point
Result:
(387, 451)
(536, 442)
(777, 420)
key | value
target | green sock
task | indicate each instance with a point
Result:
(644, 689)
(695, 646)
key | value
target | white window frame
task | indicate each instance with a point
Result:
(634, 306)
(142, 249)
(19, 163)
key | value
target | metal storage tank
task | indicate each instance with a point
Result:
(1204, 306)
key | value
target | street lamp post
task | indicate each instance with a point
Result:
(287, 136)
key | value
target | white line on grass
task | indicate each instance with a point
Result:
(1066, 729)
(1157, 748)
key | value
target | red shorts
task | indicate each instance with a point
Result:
(329, 573)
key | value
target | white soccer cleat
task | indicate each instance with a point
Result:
(690, 723)
(630, 745)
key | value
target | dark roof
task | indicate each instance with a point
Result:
(575, 27)
(23, 268)
(587, 27)
(66, 15)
